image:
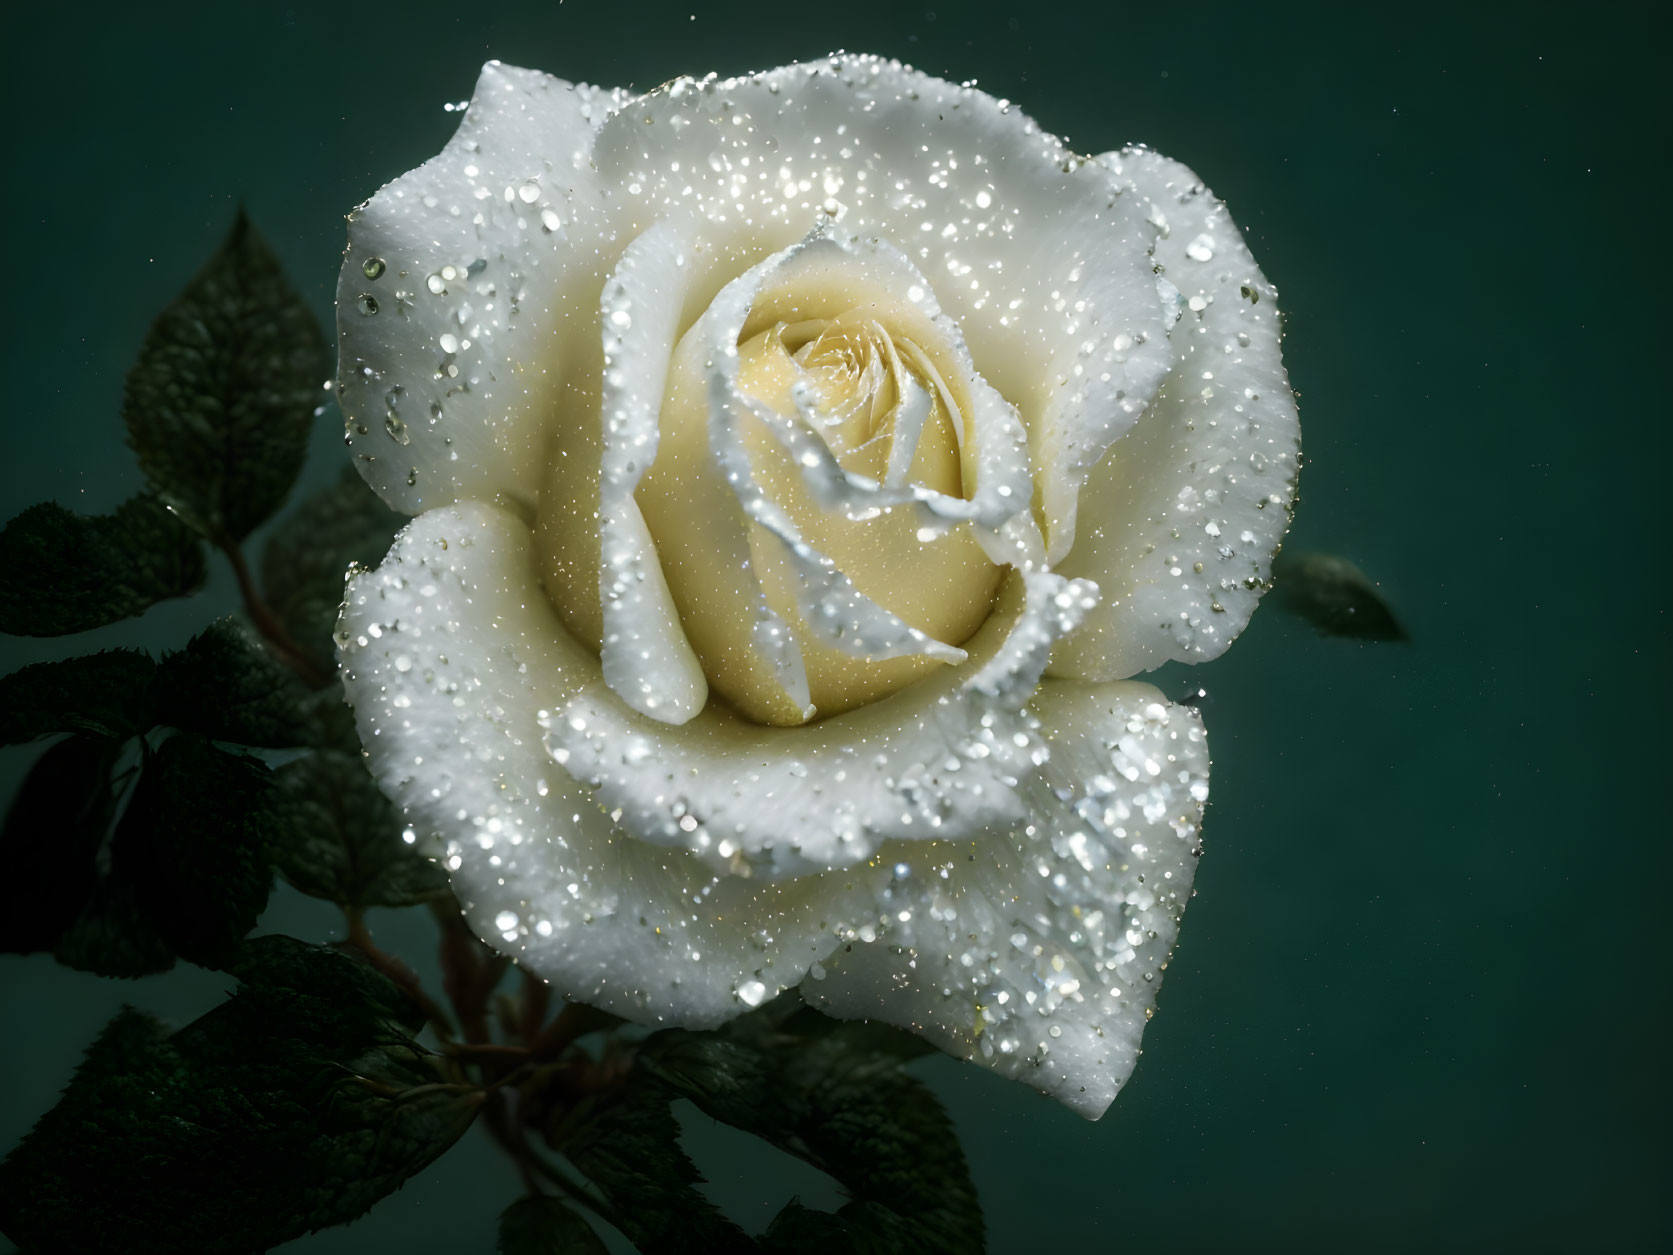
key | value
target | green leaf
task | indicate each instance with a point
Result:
(67, 572)
(50, 842)
(192, 844)
(184, 872)
(833, 1100)
(108, 694)
(309, 553)
(114, 936)
(870, 1036)
(221, 399)
(324, 990)
(1335, 596)
(630, 1149)
(335, 836)
(297, 1104)
(538, 1225)
(226, 686)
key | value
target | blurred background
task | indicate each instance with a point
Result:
(1421, 996)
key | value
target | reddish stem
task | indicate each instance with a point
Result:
(267, 623)
(360, 937)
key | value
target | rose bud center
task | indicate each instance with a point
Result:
(882, 408)
(877, 387)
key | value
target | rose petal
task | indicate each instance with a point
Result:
(450, 650)
(1040, 955)
(873, 274)
(831, 606)
(1181, 520)
(1039, 257)
(453, 295)
(647, 659)
(729, 546)
(937, 760)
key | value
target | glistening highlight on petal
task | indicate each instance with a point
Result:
(1180, 521)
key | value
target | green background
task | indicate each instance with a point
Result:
(1422, 995)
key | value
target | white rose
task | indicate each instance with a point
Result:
(802, 463)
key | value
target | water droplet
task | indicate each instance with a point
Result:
(396, 428)
(368, 304)
(372, 268)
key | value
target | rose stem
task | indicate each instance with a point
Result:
(267, 623)
(360, 937)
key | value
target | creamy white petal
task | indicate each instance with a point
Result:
(872, 273)
(449, 651)
(938, 760)
(1040, 257)
(455, 290)
(647, 659)
(1180, 521)
(1040, 955)
(830, 604)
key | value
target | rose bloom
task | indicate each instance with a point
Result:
(801, 464)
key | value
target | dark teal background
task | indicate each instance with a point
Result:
(1423, 994)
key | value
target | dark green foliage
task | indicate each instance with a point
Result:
(297, 1104)
(67, 572)
(630, 1149)
(107, 694)
(51, 840)
(182, 870)
(114, 935)
(192, 845)
(818, 1092)
(335, 836)
(545, 1226)
(219, 403)
(226, 686)
(303, 566)
(1335, 596)
(865, 1036)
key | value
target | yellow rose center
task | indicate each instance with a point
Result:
(888, 412)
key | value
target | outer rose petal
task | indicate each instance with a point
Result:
(937, 760)
(1180, 521)
(647, 659)
(1040, 956)
(450, 651)
(450, 354)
